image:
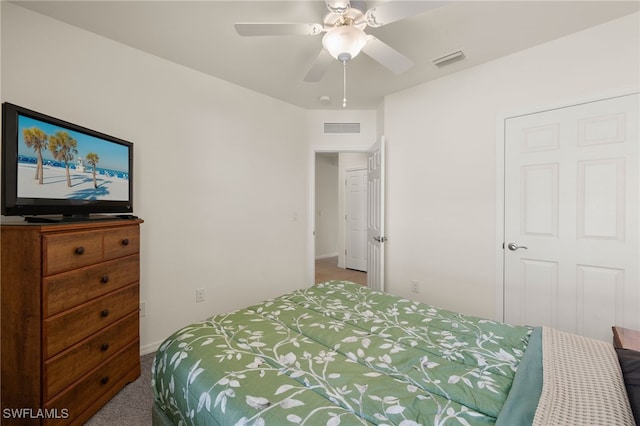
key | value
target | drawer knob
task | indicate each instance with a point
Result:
(104, 347)
(79, 250)
(104, 313)
(125, 242)
(104, 279)
(104, 380)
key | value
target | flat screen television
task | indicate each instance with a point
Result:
(51, 167)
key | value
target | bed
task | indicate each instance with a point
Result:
(340, 354)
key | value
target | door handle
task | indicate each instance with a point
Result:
(380, 239)
(514, 247)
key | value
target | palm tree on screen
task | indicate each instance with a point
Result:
(36, 139)
(92, 158)
(64, 148)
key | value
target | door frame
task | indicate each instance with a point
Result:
(311, 217)
(500, 169)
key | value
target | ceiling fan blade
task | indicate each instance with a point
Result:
(276, 28)
(393, 11)
(319, 67)
(387, 55)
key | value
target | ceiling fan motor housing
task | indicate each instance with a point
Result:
(351, 17)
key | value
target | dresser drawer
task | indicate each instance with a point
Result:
(121, 242)
(68, 366)
(66, 329)
(82, 394)
(68, 289)
(63, 252)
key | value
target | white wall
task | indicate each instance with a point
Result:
(220, 171)
(441, 158)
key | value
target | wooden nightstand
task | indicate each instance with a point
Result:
(625, 338)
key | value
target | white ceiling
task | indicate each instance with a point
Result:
(200, 35)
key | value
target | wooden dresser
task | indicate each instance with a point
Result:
(70, 318)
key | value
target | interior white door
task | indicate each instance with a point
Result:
(375, 216)
(571, 250)
(356, 219)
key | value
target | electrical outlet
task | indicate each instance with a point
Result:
(415, 286)
(143, 308)
(199, 294)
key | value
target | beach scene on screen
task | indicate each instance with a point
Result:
(111, 166)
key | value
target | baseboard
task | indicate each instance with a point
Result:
(150, 348)
(324, 256)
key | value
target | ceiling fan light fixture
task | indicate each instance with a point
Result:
(344, 42)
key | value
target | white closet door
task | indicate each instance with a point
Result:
(571, 217)
(356, 219)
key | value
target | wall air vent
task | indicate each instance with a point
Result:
(449, 58)
(341, 128)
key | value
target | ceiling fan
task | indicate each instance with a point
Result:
(344, 38)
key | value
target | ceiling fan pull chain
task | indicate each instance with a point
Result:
(344, 84)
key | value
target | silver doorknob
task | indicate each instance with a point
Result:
(514, 247)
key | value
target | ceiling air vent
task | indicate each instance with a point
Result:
(341, 128)
(448, 59)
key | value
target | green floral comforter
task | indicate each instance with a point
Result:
(338, 354)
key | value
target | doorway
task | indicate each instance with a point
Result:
(334, 203)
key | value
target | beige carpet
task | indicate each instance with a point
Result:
(132, 405)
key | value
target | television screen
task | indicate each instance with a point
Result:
(74, 166)
(54, 167)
